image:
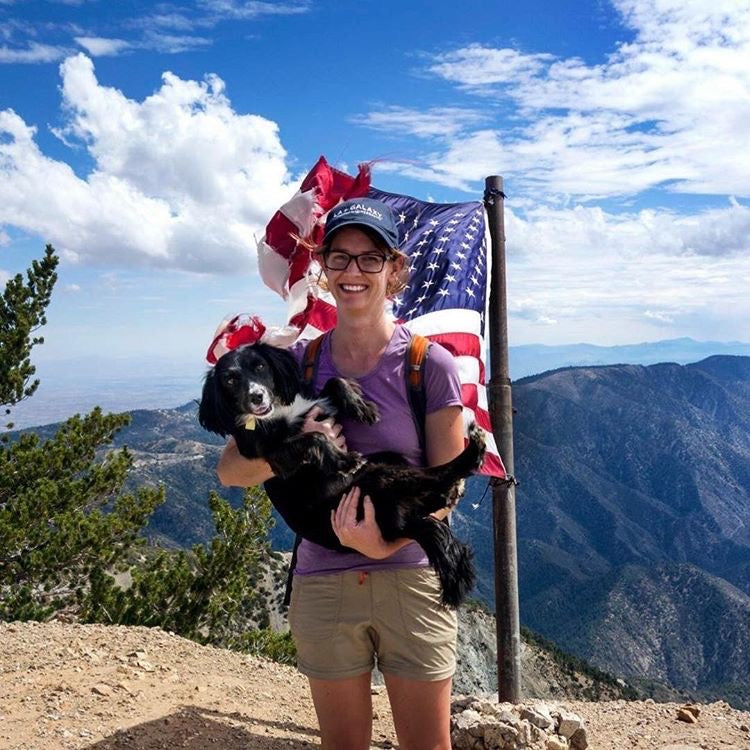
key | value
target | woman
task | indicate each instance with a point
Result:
(381, 601)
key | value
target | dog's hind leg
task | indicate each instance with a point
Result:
(451, 558)
(437, 485)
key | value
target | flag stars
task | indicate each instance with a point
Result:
(401, 218)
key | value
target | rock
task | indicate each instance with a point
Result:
(556, 742)
(687, 716)
(101, 689)
(467, 720)
(569, 724)
(538, 716)
(579, 741)
(693, 709)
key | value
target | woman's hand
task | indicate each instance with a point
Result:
(331, 429)
(363, 536)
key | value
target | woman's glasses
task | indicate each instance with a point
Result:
(338, 260)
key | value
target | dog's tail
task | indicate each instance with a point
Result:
(452, 559)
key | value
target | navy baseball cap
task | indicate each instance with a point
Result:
(365, 212)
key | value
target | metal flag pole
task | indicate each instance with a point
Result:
(503, 491)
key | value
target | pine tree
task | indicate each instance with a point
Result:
(68, 534)
(22, 313)
(211, 593)
(62, 512)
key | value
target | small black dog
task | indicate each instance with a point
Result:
(254, 394)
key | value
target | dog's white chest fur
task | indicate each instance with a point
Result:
(297, 410)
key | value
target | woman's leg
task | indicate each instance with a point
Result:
(421, 712)
(344, 709)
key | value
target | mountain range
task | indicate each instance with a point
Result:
(633, 514)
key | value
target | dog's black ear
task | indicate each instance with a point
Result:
(214, 413)
(286, 372)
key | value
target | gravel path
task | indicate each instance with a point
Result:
(89, 686)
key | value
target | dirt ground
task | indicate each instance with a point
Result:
(89, 686)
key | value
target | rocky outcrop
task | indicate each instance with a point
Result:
(485, 724)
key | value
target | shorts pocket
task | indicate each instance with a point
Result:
(315, 607)
(422, 615)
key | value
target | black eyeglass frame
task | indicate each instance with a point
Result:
(383, 260)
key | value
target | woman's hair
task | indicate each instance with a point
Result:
(391, 253)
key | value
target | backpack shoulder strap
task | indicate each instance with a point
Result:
(416, 356)
(310, 363)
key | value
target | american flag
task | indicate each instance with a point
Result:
(445, 297)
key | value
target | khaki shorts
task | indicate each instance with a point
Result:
(343, 622)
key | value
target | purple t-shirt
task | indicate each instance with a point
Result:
(395, 431)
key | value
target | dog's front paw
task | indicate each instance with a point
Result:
(359, 408)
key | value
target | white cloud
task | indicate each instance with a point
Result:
(35, 52)
(173, 43)
(480, 66)
(634, 276)
(100, 46)
(437, 121)
(668, 108)
(180, 179)
(254, 8)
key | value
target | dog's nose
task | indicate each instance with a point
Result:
(256, 398)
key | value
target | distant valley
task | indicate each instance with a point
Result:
(71, 386)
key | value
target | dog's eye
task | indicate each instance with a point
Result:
(259, 366)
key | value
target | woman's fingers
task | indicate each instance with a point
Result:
(364, 535)
(328, 426)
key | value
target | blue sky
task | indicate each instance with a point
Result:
(151, 142)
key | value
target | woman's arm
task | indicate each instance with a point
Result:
(444, 440)
(235, 470)
(444, 435)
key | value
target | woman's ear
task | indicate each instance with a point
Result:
(397, 276)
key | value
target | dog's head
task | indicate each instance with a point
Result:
(248, 381)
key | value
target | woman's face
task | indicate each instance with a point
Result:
(352, 288)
